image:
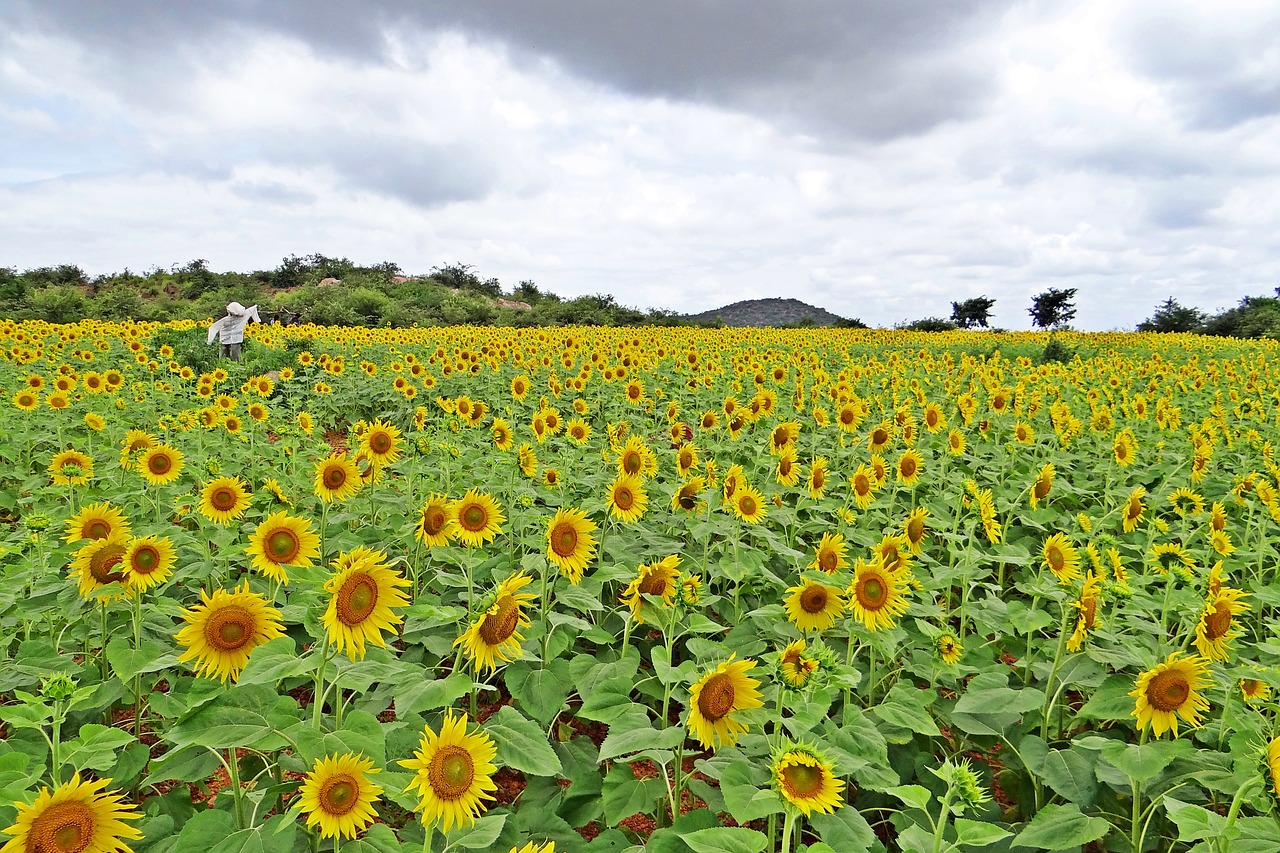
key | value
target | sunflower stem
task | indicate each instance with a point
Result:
(1234, 812)
(233, 771)
(787, 824)
(318, 691)
(1135, 789)
(1051, 698)
(429, 829)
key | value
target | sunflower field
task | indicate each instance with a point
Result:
(686, 591)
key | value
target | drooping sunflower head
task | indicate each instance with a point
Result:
(76, 817)
(686, 497)
(894, 553)
(1134, 507)
(783, 435)
(338, 796)
(363, 593)
(627, 498)
(795, 669)
(570, 545)
(913, 529)
(1165, 557)
(96, 521)
(1169, 691)
(147, 562)
(829, 555)
(717, 698)
(282, 540)
(949, 648)
(805, 780)
(337, 478)
(71, 468)
(1215, 629)
(475, 519)
(224, 499)
(658, 580)
(225, 628)
(816, 482)
(453, 773)
(494, 636)
(1043, 485)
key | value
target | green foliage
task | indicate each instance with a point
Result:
(1054, 308)
(1170, 316)
(1056, 352)
(972, 312)
(928, 324)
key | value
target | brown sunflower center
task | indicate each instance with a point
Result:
(474, 518)
(819, 478)
(915, 530)
(65, 827)
(335, 477)
(631, 462)
(451, 772)
(872, 591)
(879, 436)
(500, 623)
(846, 416)
(688, 500)
(1089, 611)
(356, 599)
(814, 599)
(780, 437)
(97, 529)
(380, 442)
(828, 560)
(223, 499)
(1041, 488)
(907, 467)
(159, 464)
(686, 460)
(339, 794)
(716, 698)
(229, 628)
(784, 466)
(1055, 558)
(144, 561)
(747, 505)
(564, 540)
(801, 781)
(623, 498)
(433, 520)
(283, 545)
(1217, 622)
(654, 584)
(730, 486)
(1168, 690)
(103, 564)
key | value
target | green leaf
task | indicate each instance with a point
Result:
(904, 709)
(844, 829)
(274, 661)
(521, 743)
(917, 796)
(540, 692)
(378, 838)
(187, 764)
(623, 741)
(95, 747)
(1111, 701)
(202, 829)
(723, 839)
(988, 694)
(248, 716)
(1194, 822)
(481, 834)
(1058, 827)
(127, 661)
(743, 796)
(625, 795)
(414, 695)
(1145, 761)
(1070, 772)
(274, 836)
(25, 716)
(976, 833)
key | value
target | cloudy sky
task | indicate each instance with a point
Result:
(879, 158)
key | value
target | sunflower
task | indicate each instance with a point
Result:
(272, 485)
(637, 458)
(913, 529)
(880, 437)
(818, 476)
(716, 698)
(654, 579)
(1124, 448)
(160, 464)
(1042, 486)
(1215, 630)
(788, 471)
(1133, 509)
(147, 562)
(893, 553)
(570, 545)
(338, 796)
(225, 499)
(453, 773)
(627, 498)
(382, 443)
(305, 422)
(503, 438)
(955, 442)
(527, 460)
(432, 529)
(733, 480)
(99, 562)
(1220, 542)
(1254, 690)
(495, 636)
(863, 483)
(805, 780)
(686, 497)
(363, 594)
(686, 460)
(94, 421)
(829, 556)
(748, 505)
(224, 628)
(1169, 691)
(876, 595)
(26, 400)
(1186, 502)
(782, 436)
(1061, 558)
(75, 817)
(519, 387)
(337, 478)
(1218, 517)
(1023, 433)
(950, 648)
(794, 669)
(934, 419)
(282, 540)
(909, 464)
(534, 847)
(1273, 767)
(1087, 611)
(95, 521)
(578, 431)
(475, 519)
(813, 606)
(1166, 556)
(71, 468)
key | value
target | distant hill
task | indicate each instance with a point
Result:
(769, 312)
